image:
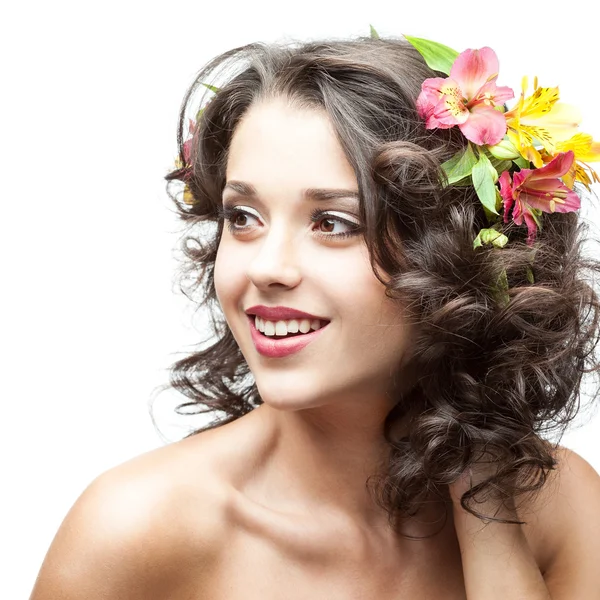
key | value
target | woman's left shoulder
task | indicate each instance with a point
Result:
(563, 523)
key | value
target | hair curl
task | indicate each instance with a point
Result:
(491, 375)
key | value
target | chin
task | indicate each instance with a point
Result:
(291, 402)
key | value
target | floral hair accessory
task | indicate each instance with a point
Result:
(183, 164)
(526, 159)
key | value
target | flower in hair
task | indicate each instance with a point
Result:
(525, 159)
(467, 98)
(585, 150)
(535, 190)
(184, 167)
(540, 117)
(183, 164)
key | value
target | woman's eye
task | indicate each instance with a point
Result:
(237, 222)
(235, 218)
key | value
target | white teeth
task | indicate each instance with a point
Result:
(272, 328)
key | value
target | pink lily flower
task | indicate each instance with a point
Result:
(187, 145)
(539, 189)
(467, 98)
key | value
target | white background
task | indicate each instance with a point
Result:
(91, 317)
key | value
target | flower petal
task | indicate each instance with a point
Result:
(531, 227)
(440, 103)
(524, 143)
(517, 213)
(557, 167)
(485, 125)
(472, 69)
(564, 200)
(539, 102)
(506, 193)
(593, 154)
(429, 96)
(451, 109)
(503, 93)
(542, 189)
(583, 145)
(492, 94)
(560, 122)
(187, 150)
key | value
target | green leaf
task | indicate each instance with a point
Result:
(437, 56)
(374, 34)
(522, 163)
(500, 165)
(490, 236)
(529, 273)
(500, 289)
(212, 88)
(490, 216)
(483, 181)
(499, 200)
(460, 165)
(536, 214)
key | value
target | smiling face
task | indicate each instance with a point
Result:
(277, 255)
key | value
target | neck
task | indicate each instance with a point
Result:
(320, 458)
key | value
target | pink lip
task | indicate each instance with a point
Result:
(278, 348)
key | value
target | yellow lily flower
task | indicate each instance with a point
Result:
(586, 150)
(188, 197)
(540, 118)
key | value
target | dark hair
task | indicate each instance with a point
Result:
(492, 375)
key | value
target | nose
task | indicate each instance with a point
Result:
(275, 260)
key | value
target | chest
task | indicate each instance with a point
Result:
(253, 568)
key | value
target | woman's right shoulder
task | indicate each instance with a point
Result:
(139, 527)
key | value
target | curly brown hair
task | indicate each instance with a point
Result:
(492, 375)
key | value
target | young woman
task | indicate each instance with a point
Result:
(386, 351)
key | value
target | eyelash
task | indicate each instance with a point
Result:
(231, 213)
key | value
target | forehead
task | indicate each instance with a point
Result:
(278, 144)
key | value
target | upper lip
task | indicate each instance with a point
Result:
(280, 313)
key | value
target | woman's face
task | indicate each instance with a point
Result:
(279, 256)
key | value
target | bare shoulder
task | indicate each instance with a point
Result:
(137, 527)
(563, 520)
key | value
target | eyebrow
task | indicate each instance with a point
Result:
(243, 188)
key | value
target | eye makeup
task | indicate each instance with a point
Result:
(231, 213)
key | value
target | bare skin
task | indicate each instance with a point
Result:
(270, 549)
(203, 518)
(281, 550)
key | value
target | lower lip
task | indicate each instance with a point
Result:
(277, 348)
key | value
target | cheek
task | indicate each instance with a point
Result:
(350, 273)
(382, 322)
(224, 275)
